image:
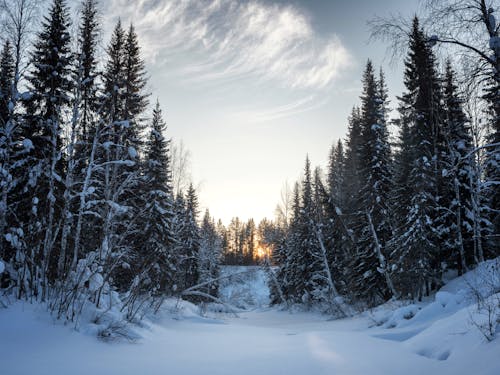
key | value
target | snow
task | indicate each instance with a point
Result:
(27, 144)
(431, 337)
(132, 152)
(245, 288)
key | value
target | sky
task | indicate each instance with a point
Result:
(250, 87)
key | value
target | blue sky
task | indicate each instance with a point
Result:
(251, 87)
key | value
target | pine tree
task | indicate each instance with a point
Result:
(188, 241)
(324, 276)
(135, 100)
(113, 76)
(82, 130)
(288, 275)
(209, 256)
(49, 84)
(87, 119)
(157, 235)
(87, 57)
(371, 277)
(6, 81)
(352, 164)
(7, 143)
(121, 148)
(415, 248)
(460, 172)
(492, 96)
(152, 262)
(336, 233)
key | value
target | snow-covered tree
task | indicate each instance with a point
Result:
(50, 84)
(209, 256)
(372, 280)
(415, 249)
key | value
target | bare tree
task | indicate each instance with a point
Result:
(181, 167)
(17, 23)
(284, 208)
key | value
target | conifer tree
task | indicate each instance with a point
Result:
(49, 84)
(188, 246)
(87, 58)
(460, 173)
(6, 81)
(82, 128)
(371, 276)
(209, 256)
(7, 142)
(352, 164)
(152, 262)
(157, 238)
(135, 100)
(289, 274)
(415, 248)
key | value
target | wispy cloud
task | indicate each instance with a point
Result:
(304, 104)
(226, 40)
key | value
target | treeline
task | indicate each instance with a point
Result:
(245, 243)
(87, 209)
(395, 212)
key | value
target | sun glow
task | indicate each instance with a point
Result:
(263, 252)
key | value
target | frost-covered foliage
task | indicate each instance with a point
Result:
(88, 222)
(396, 214)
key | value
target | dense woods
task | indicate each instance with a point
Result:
(90, 214)
(395, 211)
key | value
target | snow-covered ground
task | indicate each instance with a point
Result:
(437, 337)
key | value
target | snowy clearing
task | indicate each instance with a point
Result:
(437, 339)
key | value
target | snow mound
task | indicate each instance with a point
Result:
(464, 316)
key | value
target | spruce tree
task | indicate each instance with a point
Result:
(415, 247)
(87, 58)
(7, 141)
(6, 82)
(209, 256)
(460, 172)
(49, 83)
(289, 274)
(188, 246)
(135, 99)
(352, 181)
(157, 238)
(492, 96)
(371, 277)
(152, 262)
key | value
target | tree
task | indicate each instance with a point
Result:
(461, 174)
(88, 72)
(372, 280)
(154, 267)
(84, 113)
(471, 28)
(188, 240)
(209, 256)
(50, 85)
(415, 248)
(7, 140)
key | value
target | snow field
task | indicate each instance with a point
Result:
(433, 337)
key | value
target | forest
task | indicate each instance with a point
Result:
(90, 218)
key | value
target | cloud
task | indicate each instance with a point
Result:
(227, 40)
(304, 104)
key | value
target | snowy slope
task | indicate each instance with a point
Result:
(429, 338)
